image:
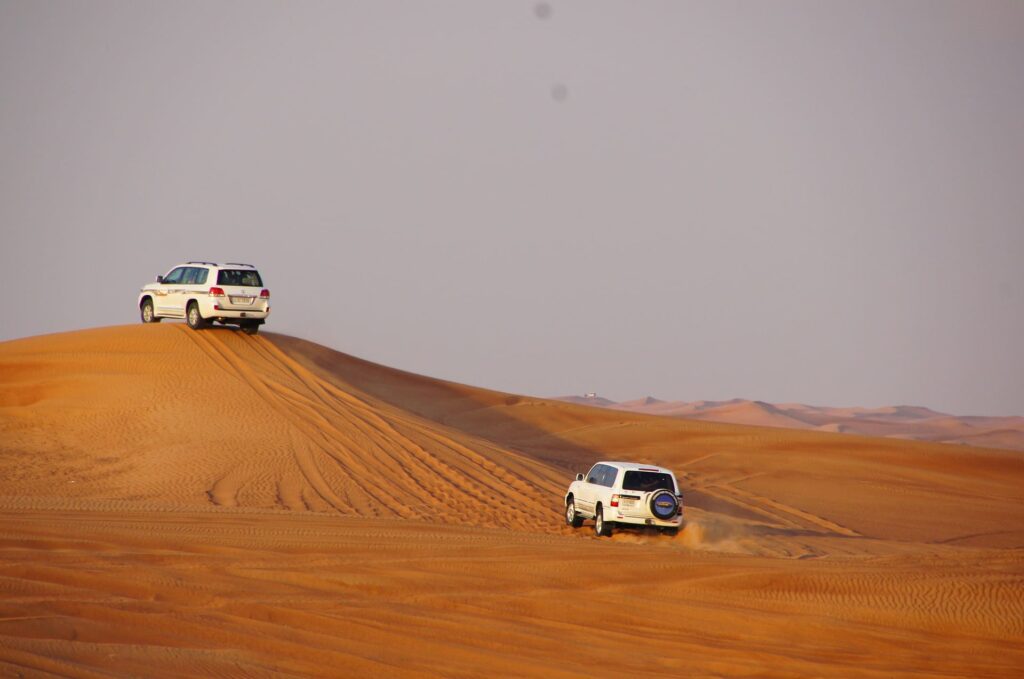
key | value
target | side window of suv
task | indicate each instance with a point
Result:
(609, 476)
(601, 475)
(194, 275)
(176, 275)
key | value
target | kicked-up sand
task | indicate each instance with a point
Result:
(179, 503)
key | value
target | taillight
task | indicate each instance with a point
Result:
(264, 293)
(216, 292)
(615, 500)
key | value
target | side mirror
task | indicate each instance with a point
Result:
(579, 477)
(159, 279)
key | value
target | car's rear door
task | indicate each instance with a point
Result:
(195, 283)
(603, 487)
(188, 288)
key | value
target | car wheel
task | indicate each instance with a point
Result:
(251, 328)
(671, 532)
(602, 528)
(571, 517)
(147, 313)
(194, 318)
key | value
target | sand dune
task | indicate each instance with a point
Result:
(208, 503)
(192, 419)
(906, 422)
(751, 412)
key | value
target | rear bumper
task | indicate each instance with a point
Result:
(210, 311)
(225, 314)
(675, 522)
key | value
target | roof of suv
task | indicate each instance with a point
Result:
(630, 466)
(235, 265)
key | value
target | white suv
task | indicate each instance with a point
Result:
(204, 292)
(625, 493)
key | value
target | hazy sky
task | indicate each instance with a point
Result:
(790, 201)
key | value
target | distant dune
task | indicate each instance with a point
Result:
(588, 400)
(904, 422)
(181, 503)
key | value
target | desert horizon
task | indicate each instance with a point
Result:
(893, 421)
(205, 502)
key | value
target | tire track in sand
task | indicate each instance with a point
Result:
(301, 437)
(469, 478)
(361, 458)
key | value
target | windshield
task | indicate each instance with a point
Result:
(246, 277)
(645, 481)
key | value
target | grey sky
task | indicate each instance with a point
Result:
(801, 201)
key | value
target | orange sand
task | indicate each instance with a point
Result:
(179, 503)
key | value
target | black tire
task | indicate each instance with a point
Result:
(571, 517)
(147, 313)
(602, 528)
(671, 532)
(250, 328)
(194, 318)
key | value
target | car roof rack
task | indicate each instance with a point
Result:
(207, 263)
(240, 264)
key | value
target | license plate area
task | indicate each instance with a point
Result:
(244, 301)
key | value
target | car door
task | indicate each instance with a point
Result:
(588, 489)
(168, 298)
(193, 285)
(181, 294)
(603, 487)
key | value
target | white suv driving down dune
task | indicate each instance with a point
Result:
(625, 493)
(204, 292)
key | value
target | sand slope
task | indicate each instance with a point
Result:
(163, 416)
(179, 503)
(803, 480)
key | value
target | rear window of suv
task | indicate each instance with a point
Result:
(645, 481)
(246, 277)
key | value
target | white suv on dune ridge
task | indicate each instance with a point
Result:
(205, 292)
(625, 493)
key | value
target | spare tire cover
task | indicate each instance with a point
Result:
(664, 504)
